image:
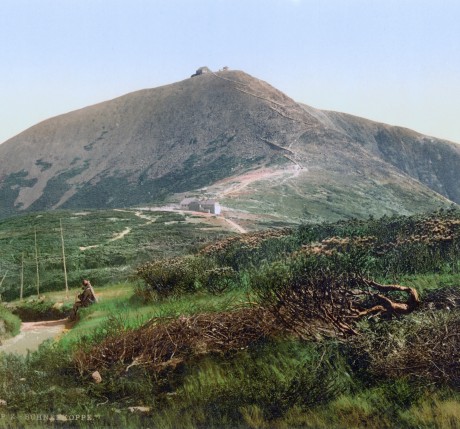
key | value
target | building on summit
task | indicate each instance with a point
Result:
(205, 206)
(201, 70)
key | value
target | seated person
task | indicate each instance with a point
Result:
(85, 299)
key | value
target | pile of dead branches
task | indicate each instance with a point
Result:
(164, 343)
(444, 298)
(424, 347)
(312, 303)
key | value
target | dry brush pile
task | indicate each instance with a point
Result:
(312, 299)
(312, 292)
(424, 347)
(163, 343)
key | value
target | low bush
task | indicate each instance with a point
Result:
(167, 277)
(325, 295)
(41, 309)
(219, 280)
(10, 324)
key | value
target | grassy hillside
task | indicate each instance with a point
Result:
(104, 246)
(228, 336)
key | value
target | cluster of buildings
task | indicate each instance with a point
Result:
(196, 205)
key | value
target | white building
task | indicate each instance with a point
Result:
(205, 206)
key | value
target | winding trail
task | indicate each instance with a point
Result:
(119, 236)
(32, 335)
(237, 227)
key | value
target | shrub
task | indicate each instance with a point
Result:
(11, 323)
(38, 309)
(315, 295)
(220, 279)
(166, 277)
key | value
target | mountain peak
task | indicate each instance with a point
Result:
(148, 145)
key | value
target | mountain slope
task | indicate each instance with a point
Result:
(148, 145)
(433, 162)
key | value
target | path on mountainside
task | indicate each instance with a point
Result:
(126, 231)
(116, 237)
(262, 96)
(211, 218)
(235, 226)
(33, 334)
(237, 183)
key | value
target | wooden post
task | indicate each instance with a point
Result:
(21, 291)
(63, 261)
(36, 263)
(1, 282)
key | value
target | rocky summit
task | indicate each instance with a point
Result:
(232, 137)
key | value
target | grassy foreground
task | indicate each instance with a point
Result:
(210, 347)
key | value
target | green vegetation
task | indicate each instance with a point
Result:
(351, 324)
(41, 309)
(104, 246)
(9, 323)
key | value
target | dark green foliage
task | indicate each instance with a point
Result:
(166, 277)
(43, 164)
(56, 187)
(220, 279)
(90, 248)
(123, 191)
(176, 276)
(36, 310)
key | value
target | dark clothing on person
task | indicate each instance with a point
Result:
(85, 299)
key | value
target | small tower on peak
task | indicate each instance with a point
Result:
(201, 70)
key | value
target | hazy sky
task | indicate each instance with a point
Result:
(394, 61)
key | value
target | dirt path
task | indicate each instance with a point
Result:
(237, 227)
(116, 237)
(32, 335)
(119, 236)
(234, 185)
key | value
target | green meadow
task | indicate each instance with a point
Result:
(352, 324)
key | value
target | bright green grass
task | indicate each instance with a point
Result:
(426, 282)
(119, 301)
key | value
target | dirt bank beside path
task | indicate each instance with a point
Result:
(32, 335)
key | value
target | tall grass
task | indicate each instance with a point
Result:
(262, 383)
(280, 382)
(119, 304)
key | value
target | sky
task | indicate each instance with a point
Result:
(393, 61)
